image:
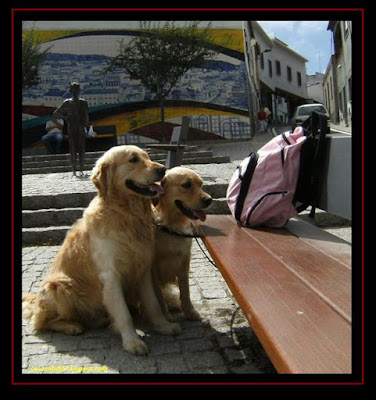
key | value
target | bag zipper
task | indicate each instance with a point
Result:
(260, 200)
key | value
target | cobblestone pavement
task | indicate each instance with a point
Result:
(221, 343)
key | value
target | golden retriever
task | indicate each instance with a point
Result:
(104, 264)
(182, 201)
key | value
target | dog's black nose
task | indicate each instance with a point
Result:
(160, 172)
(207, 201)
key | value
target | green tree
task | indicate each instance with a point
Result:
(32, 58)
(161, 55)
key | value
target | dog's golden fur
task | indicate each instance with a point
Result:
(183, 200)
(104, 264)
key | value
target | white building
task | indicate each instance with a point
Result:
(98, 96)
(338, 75)
(315, 91)
(276, 73)
(54, 97)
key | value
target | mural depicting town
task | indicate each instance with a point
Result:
(221, 83)
(218, 82)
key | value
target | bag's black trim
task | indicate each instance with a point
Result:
(260, 200)
(283, 156)
(312, 161)
(285, 139)
(246, 179)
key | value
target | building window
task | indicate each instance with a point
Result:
(270, 68)
(289, 74)
(262, 61)
(278, 67)
(299, 76)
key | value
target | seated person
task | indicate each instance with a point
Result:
(53, 139)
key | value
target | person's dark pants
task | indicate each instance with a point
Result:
(53, 142)
(77, 141)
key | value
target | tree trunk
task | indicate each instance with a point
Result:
(163, 128)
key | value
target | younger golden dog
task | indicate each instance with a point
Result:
(104, 264)
(181, 202)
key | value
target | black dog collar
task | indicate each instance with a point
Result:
(171, 231)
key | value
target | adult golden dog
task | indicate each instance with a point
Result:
(104, 264)
(181, 202)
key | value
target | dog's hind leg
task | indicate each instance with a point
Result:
(54, 308)
(67, 327)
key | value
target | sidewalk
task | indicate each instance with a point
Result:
(215, 345)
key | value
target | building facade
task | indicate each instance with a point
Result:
(338, 75)
(315, 88)
(276, 74)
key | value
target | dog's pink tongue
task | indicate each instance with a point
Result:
(156, 188)
(201, 215)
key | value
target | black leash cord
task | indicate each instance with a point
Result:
(207, 257)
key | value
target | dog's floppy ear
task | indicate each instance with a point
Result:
(155, 200)
(100, 178)
(164, 183)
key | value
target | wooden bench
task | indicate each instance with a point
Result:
(174, 149)
(294, 287)
(105, 139)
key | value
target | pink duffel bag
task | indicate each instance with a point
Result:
(262, 188)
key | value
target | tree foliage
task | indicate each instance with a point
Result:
(32, 58)
(161, 55)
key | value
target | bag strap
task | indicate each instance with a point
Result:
(316, 125)
(319, 158)
(246, 181)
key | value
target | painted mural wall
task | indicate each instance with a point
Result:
(214, 97)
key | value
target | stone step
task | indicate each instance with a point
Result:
(60, 201)
(51, 217)
(56, 162)
(45, 236)
(197, 159)
(93, 154)
(54, 235)
(81, 200)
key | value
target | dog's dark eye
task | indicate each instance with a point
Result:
(134, 159)
(186, 185)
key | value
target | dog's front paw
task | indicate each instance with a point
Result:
(169, 328)
(192, 315)
(136, 346)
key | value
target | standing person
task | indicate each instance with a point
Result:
(53, 139)
(268, 118)
(76, 112)
(261, 116)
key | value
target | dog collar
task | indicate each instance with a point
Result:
(171, 231)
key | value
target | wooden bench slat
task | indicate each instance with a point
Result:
(324, 241)
(330, 279)
(300, 332)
